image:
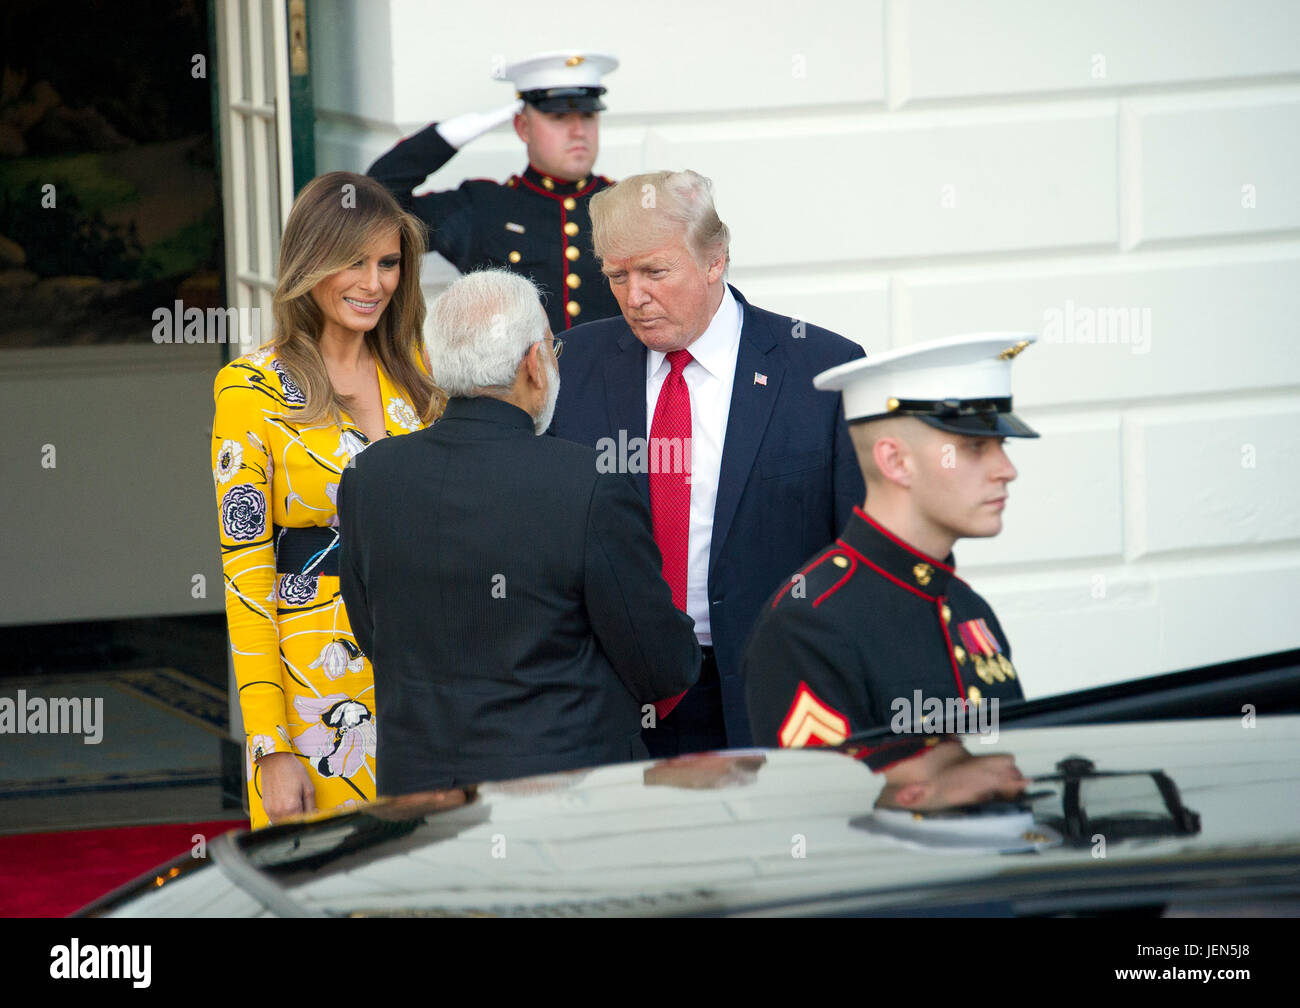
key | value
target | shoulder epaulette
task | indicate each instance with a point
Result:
(820, 579)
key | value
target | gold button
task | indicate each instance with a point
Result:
(514, 257)
(974, 694)
(574, 281)
(574, 308)
(959, 653)
(570, 203)
(572, 253)
(570, 229)
(582, 183)
(922, 572)
(547, 183)
(840, 561)
(947, 614)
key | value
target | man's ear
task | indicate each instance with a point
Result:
(523, 128)
(533, 362)
(716, 268)
(892, 457)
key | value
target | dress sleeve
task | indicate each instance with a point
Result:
(243, 469)
(802, 675)
(806, 682)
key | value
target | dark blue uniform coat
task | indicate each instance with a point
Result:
(533, 225)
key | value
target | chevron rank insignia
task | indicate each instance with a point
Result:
(811, 722)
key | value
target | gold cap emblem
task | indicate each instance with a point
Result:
(1010, 352)
(575, 60)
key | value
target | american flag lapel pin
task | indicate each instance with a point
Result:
(760, 379)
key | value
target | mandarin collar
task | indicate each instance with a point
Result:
(487, 408)
(904, 565)
(554, 186)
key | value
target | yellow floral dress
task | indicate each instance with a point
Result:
(304, 686)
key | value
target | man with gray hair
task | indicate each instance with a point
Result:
(708, 401)
(507, 593)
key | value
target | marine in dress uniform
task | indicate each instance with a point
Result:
(874, 632)
(535, 223)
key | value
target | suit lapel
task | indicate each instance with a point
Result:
(625, 399)
(751, 408)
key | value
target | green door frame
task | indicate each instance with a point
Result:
(302, 112)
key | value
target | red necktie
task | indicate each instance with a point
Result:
(670, 492)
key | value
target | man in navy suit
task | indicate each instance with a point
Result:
(708, 402)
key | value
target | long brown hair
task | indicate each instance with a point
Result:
(334, 217)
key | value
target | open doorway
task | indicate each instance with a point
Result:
(109, 187)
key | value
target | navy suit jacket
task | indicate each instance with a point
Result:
(789, 478)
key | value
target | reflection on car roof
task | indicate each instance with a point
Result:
(766, 830)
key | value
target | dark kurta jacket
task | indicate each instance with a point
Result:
(510, 599)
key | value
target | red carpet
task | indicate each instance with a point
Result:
(55, 874)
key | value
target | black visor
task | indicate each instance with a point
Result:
(565, 99)
(973, 417)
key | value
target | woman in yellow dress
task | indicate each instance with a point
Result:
(345, 366)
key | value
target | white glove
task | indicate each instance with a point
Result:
(463, 128)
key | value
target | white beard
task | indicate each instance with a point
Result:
(540, 423)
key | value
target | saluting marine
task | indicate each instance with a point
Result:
(536, 223)
(878, 629)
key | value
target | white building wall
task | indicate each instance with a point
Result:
(1119, 176)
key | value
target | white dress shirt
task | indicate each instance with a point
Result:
(709, 377)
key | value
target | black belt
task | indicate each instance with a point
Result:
(307, 551)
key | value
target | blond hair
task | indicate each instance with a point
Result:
(865, 433)
(644, 212)
(334, 217)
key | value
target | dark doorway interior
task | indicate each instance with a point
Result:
(109, 192)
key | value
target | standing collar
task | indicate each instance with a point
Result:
(486, 408)
(715, 349)
(897, 561)
(549, 185)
